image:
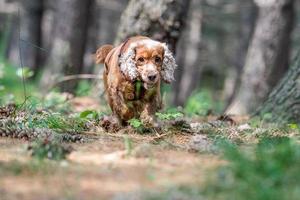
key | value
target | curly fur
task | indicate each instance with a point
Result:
(169, 65)
(127, 64)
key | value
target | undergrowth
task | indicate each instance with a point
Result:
(269, 170)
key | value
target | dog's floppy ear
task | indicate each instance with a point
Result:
(127, 62)
(169, 65)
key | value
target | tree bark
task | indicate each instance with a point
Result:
(30, 27)
(246, 22)
(103, 28)
(159, 19)
(268, 55)
(283, 102)
(188, 74)
(66, 55)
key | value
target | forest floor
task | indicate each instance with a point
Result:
(178, 162)
(100, 169)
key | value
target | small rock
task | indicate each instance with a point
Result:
(200, 143)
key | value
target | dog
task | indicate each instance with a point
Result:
(132, 77)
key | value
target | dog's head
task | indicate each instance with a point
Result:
(147, 60)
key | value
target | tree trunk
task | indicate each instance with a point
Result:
(66, 56)
(268, 55)
(103, 29)
(31, 19)
(188, 74)
(159, 19)
(283, 102)
(246, 22)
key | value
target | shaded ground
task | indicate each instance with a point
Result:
(101, 169)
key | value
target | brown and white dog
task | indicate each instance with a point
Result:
(132, 77)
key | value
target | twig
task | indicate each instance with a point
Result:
(75, 76)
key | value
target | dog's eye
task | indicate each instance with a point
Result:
(157, 59)
(141, 59)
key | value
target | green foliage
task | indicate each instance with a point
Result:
(26, 72)
(84, 88)
(200, 103)
(56, 101)
(58, 122)
(268, 171)
(42, 149)
(294, 126)
(90, 114)
(11, 86)
(137, 125)
(169, 115)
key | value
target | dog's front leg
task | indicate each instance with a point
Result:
(148, 114)
(119, 107)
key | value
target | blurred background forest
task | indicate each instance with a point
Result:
(230, 53)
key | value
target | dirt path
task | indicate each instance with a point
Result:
(100, 169)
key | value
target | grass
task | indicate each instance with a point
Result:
(269, 170)
(12, 86)
(58, 122)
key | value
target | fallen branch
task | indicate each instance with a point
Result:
(74, 77)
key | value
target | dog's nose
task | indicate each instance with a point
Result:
(152, 77)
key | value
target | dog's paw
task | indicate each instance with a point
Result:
(110, 124)
(148, 121)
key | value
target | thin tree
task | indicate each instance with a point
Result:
(68, 46)
(189, 64)
(267, 57)
(31, 32)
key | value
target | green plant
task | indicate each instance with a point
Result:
(56, 101)
(57, 122)
(24, 72)
(294, 126)
(200, 103)
(12, 85)
(169, 115)
(137, 124)
(83, 88)
(269, 170)
(90, 114)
